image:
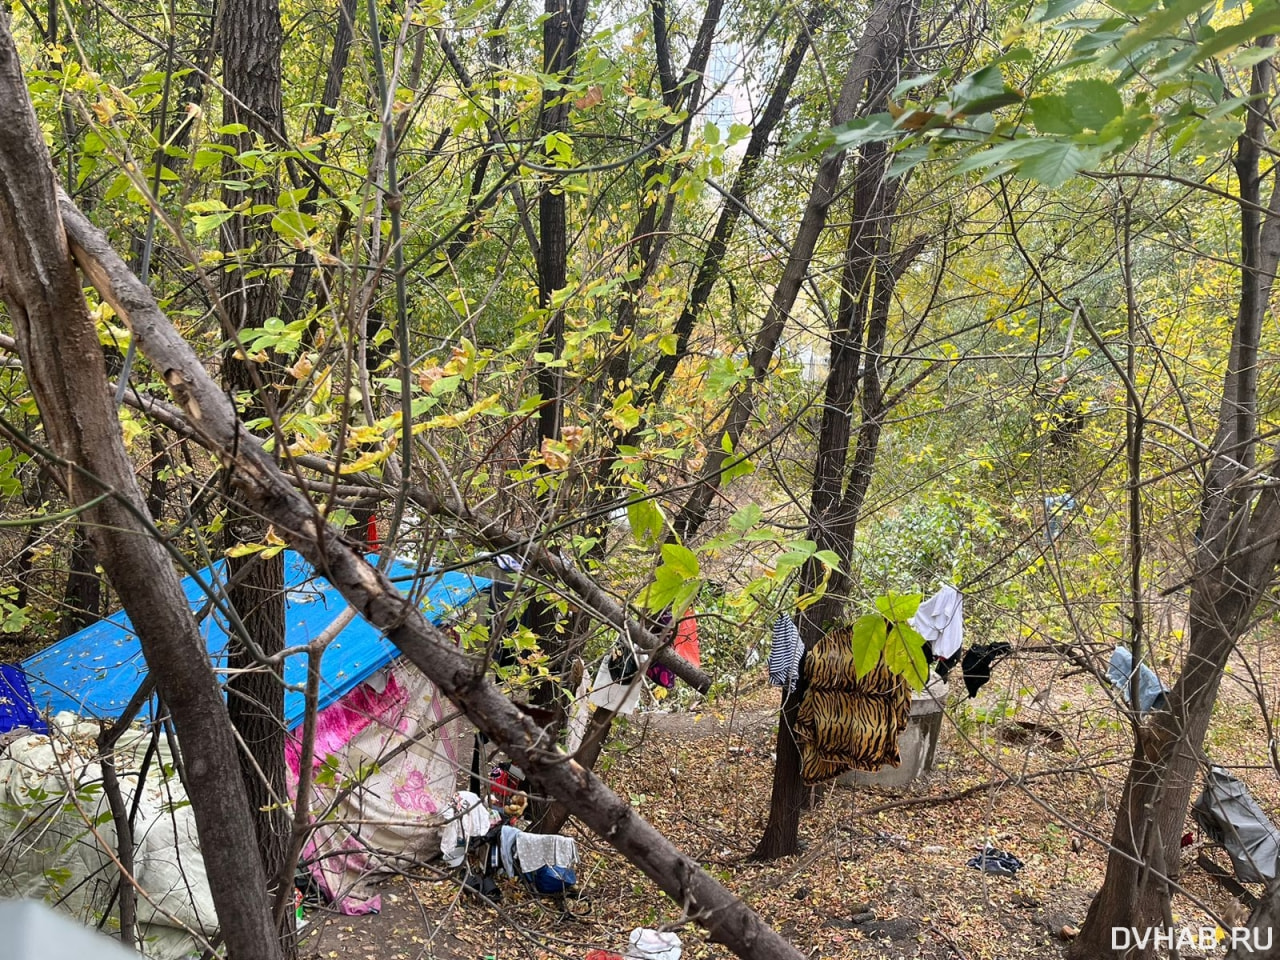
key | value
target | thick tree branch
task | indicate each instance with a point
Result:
(369, 591)
(65, 366)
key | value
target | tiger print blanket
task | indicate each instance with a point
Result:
(845, 723)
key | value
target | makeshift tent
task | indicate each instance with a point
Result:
(1230, 816)
(57, 835)
(94, 673)
(385, 768)
(385, 762)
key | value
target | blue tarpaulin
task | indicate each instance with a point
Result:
(96, 672)
(16, 706)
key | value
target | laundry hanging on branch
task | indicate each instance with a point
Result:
(1151, 692)
(940, 620)
(846, 723)
(785, 653)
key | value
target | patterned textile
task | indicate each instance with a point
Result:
(845, 723)
(785, 653)
(398, 804)
(534, 850)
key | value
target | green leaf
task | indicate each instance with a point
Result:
(1264, 19)
(208, 222)
(646, 521)
(829, 558)
(680, 559)
(1155, 23)
(1052, 10)
(746, 519)
(1084, 105)
(982, 92)
(1054, 162)
(869, 633)
(675, 582)
(911, 83)
(293, 225)
(878, 126)
(904, 655)
(1094, 103)
(899, 607)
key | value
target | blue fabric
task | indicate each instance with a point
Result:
(95, 672)
(1150, 690)
(16, 706)
(550, 879)
(1055, 511)
(996, 861)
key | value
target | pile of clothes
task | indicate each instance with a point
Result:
(545, 862)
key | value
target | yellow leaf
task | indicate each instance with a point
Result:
(367, 460)
(458, 419)
(104, 110)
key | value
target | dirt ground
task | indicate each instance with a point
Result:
(883, 874)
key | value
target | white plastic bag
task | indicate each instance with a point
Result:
(649, 944)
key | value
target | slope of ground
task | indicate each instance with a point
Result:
(882, 874)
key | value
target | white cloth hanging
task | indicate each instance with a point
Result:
(610, 694)
(579, 716)
(940, 620)
(467, 818)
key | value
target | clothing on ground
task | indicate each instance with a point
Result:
(940, 620)
(785, 654)
(649, 944)
(1151, 692)
(995, 861)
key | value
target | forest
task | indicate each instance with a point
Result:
(489, 479)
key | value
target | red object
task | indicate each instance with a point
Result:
(1188, 839)
(371, 534)
(502, 784)
(602, 955)
(685, 643)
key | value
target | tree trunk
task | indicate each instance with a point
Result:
(82, 599)
(63, 361)
(1234, 564)
(886, 27)
(252, 40)
(295, 294)
(867, 281)
(782, 831)
(712, 261)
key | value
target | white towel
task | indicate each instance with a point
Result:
(940, 620)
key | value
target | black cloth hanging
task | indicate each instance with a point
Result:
(942, 666)
(977, 663)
